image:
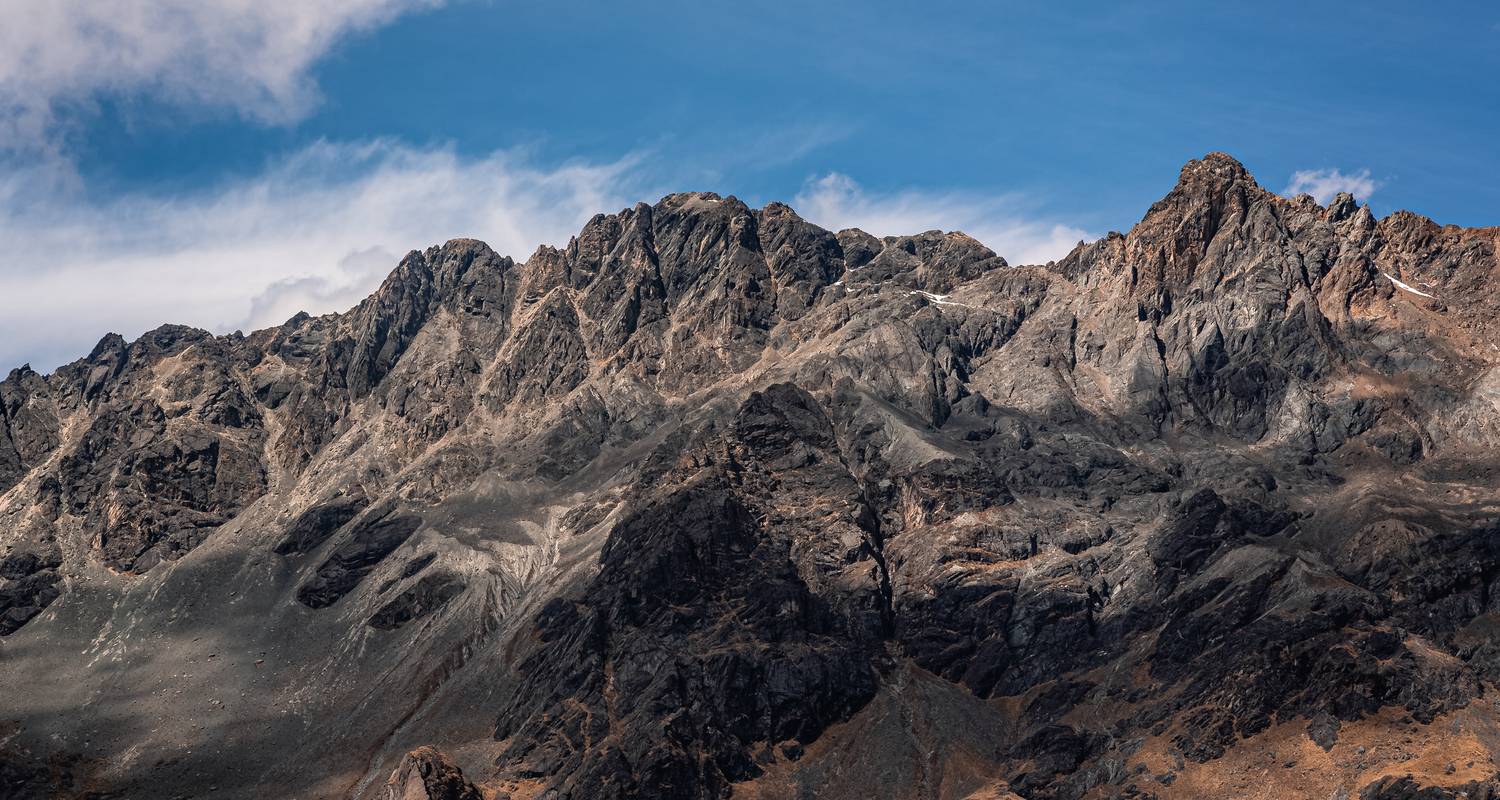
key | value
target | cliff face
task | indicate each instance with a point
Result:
(713, 501)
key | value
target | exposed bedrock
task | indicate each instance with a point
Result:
(712, 502)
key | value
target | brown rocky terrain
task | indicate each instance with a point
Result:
(713, 502)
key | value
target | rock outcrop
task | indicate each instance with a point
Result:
(426, 774)
(712, 502)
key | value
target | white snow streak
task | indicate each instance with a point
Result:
(1406, 286)
(939, 299)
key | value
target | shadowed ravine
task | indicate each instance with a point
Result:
(713, 502)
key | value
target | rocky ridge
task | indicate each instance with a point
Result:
(714, 502)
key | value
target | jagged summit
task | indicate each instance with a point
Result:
(1209, 191)
(711, 501)
(1215, 166)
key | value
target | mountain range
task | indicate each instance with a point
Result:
(713, 502)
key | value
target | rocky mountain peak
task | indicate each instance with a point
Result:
(1213, 194)
(1214, 169)
(1342, 207)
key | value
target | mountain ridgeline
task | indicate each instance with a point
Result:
(714, 503)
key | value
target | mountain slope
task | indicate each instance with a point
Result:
(713, 501)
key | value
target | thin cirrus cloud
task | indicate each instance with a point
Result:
(1001, 222)
(252, 56)
(315, 232)
(1324, 184)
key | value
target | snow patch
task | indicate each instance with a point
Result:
(938, 299)
(1406, 286)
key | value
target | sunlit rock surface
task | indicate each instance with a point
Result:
(712, 502)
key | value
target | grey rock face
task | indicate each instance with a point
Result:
(376, 537)
(713, 502)
(29, 585)
(720, 622)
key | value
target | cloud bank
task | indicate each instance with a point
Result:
(251, 56)
(1323, 184)
(315, 232)
(836, 201)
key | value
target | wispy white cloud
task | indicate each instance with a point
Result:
(1001, 222)
(1323, 184)
(251, 56)
(318, 231)
(341, 286)
(315, 232)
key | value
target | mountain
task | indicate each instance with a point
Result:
(714, 502)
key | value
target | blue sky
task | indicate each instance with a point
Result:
(225, 164)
